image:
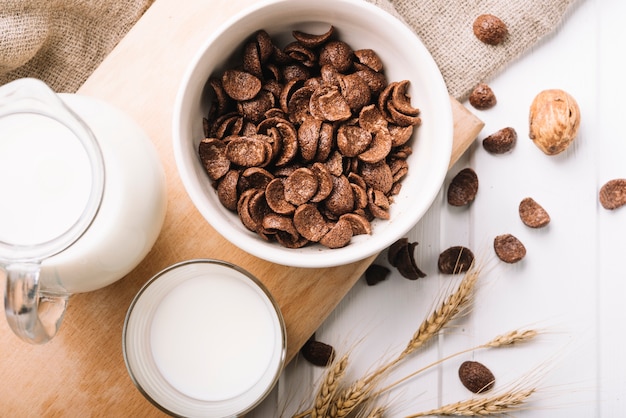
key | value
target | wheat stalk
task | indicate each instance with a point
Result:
(378, 412)
(328, 388)
(491, 405)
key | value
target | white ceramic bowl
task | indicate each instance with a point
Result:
(361, 25)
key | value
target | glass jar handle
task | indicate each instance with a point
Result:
(33, 315)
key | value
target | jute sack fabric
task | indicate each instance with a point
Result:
(445, 28)
(63, 41)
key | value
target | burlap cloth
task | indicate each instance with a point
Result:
(63, 41)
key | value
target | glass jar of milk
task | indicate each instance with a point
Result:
(83, 201)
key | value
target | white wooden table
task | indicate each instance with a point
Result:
(572, 284)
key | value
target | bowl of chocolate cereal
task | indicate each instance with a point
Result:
(312, 134)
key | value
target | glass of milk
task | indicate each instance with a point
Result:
(204, 338)
(83, 201)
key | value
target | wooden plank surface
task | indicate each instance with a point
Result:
(82, 372)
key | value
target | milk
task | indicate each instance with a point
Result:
(45, 178)
(133, 204)
(204, 338)
(47, 175)
(212, 338)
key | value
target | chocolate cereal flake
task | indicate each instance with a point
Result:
(311, 40)
(375, 274)
(490, 29)
(401, 254)
(533, 214)
(482, 97)
(309, 222)
(508, 248)
(339, 235)
(369, 58)
(240, 85)
(463, 187)
(338, 54)
(476, 377)
(317, 353)
(500, 142)
(613, 194)
(454, 260)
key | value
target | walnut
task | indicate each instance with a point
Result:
(553, 121)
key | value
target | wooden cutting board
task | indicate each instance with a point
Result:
(82, 372)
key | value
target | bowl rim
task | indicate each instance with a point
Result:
(323, 258)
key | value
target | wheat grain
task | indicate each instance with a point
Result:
(493, 405)
(328, 388)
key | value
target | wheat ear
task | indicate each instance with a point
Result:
(493, 405)
(504, 340)
(510, 338)
(349, 399)
(449, 308)
(328, 388)
(445, 312)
